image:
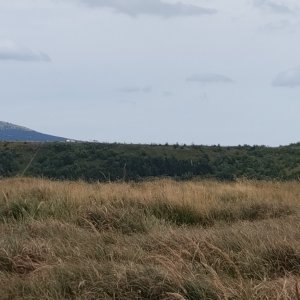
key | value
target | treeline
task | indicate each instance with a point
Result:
(103, 162)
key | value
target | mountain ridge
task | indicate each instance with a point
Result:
(13, 132)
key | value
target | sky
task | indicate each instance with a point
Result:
(153, 71)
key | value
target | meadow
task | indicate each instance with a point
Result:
(159, 239)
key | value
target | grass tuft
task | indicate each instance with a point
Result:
(127, 221)
(281, 260)
(180, 214)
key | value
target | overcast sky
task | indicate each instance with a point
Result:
(153, 71)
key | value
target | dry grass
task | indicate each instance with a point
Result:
(153, 240)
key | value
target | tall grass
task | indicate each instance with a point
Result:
(153, 240)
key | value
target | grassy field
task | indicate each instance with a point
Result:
(153, 240)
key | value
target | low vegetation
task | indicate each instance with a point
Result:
(160, 239)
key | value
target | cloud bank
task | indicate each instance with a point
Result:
(209, 78)
(150, 7)
(273, 6)
(9, 50)
(290, 78)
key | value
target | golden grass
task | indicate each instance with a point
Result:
(152, 240)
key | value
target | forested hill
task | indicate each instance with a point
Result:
(99, 161)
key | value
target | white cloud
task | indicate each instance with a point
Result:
(9, 50)
(290, 78)
(150, 7)
(209, 78)
(274, 6)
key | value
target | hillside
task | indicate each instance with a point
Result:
(104, 162)
(161, 240)
(12, 132)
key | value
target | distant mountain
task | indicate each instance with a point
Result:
(12, 132)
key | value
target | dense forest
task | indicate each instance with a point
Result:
(104, 162)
